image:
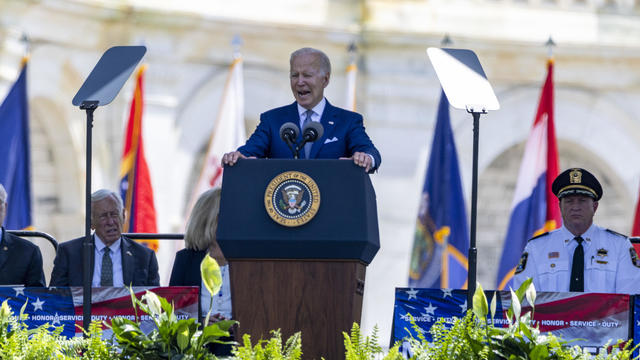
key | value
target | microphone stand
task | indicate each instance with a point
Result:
(300, 146)
(290, 143)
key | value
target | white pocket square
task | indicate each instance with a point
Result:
(331, 140)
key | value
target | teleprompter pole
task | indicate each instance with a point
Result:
(473, 251)
(89, 107)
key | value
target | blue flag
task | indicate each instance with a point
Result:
(441, 240)
(15, 159)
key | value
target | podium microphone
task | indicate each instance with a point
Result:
(311, 132)
(289, 133)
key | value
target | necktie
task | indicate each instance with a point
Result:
(577, 269)
(106, 276)
(307, 146)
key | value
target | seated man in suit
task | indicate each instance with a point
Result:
(20, 260)
(116, 261)
(344, 135)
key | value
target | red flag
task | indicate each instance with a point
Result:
(538, 169)
(553, 219)
(635, 231)
(135, 183)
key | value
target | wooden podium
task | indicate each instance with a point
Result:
(308, 277)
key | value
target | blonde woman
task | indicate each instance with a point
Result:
(200, 239)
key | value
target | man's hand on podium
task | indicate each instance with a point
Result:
(231, 158)
(361, 159)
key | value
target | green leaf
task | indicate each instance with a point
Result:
(539, 352)
(480, 307)
(523, 288)
(182, 336)
(5, 310)
(211, 275)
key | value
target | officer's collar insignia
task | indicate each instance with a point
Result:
(603, 252)
(588, 239)
(575, 176)
(523, 263)
(554, 255)
(634, 257)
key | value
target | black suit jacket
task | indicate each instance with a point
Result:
(186, 272)
(20, 262)
(139, 264)
(186, 268)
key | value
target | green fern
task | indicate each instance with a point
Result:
(271, 349)
(358, 347)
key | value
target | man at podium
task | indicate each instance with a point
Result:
(344, 135)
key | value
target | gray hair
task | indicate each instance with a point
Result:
(325, 64)
(3, 194)
(200, 233)
(103, 194)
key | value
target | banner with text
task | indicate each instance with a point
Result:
(62, 306)
(592, 318)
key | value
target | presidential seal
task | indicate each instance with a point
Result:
(292, 198)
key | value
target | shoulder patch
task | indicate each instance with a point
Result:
(616, 233)
(634, 257)
(523, 263)
(539, 236)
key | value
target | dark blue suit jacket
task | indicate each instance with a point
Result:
(20, 262)
(186, 268)
(139, 264)
(344, 135)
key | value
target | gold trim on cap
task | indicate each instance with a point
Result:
(578, 187)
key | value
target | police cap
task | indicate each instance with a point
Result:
(577, 181)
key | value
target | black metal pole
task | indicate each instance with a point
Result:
(87, 248)
(473, 251)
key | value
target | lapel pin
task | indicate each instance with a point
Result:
(129, 253)
(330, 122)
(5, 248)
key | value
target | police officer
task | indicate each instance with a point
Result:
(579, 256)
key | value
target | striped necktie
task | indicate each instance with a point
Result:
(307, 146)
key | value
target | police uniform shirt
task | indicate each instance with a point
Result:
(610, 263)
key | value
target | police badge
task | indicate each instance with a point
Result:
(522, 264)
(634, 257)
(292, 198)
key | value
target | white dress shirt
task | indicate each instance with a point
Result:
(222, 300)
(609, 262)
(116, 259)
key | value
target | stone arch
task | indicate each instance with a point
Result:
(55, 180)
